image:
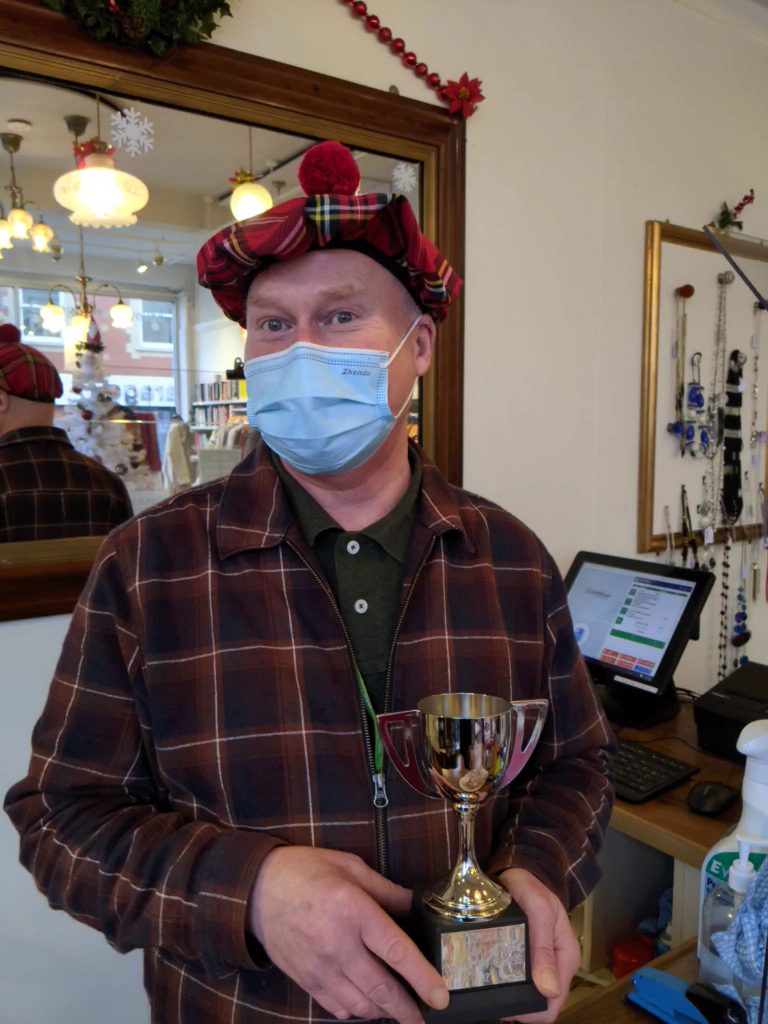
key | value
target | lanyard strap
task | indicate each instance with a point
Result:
(378, 750)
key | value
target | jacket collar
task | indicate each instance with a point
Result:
(25, 434)
(255, 511)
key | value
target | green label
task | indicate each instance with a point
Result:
(717, 867)
(635, 638)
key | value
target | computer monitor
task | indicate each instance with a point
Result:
(632, 620)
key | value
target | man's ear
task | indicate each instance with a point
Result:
(425, 334)
(5, 401)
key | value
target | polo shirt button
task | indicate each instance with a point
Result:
(353, 547)
(361, 606)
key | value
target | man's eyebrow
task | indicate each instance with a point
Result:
(333, 294)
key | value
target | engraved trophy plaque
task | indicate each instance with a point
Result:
(464, 747)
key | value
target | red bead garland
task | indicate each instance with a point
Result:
(462, 96)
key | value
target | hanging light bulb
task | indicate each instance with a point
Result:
(98, 195)
(41, 234)
(6, 232)
(53, 317)
(122, 315)
(79, 324)
(248, 198)
(21, 221)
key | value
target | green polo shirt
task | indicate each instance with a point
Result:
(365, 571)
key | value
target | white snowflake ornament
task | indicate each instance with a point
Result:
(132, 131)
(405, 177)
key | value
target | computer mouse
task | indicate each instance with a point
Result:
(710, 797)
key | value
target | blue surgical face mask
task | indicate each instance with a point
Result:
(322, 409)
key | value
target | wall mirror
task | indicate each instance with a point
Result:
(679, 349)
(212, 108)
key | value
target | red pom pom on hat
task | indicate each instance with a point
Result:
(329, 168)
(10, 333)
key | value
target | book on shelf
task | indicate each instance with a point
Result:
(220, 391)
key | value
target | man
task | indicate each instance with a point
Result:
(204, 781)
(47, 488)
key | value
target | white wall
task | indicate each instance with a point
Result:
(51, 967)
(599, 115)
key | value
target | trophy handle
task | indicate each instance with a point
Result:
(410, 769)
(520, 754)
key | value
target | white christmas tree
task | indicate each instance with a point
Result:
(96, 424)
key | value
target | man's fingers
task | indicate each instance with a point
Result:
(381, 993)
(391, 945)
(395, 899)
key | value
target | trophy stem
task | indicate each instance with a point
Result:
(467, 894)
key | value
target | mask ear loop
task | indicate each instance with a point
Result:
(405, 337)
(387, 364)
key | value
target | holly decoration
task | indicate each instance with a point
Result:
(155, 25)
(462, 97)
(728, 217)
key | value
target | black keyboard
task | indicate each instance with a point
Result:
(640, 773)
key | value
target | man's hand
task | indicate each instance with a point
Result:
(555, 953)
(323, 918)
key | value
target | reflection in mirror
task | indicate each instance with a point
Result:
(150, 399)
(689, 336)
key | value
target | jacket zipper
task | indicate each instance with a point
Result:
(381, 832)
(380, 799)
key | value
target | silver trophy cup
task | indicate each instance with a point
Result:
(464, 747)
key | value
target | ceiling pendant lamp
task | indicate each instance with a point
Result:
(19, 224)
(248, 198)
(97, 193)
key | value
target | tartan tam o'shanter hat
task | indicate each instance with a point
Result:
(330, 216)
(25, 372)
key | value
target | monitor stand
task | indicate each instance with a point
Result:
(626, 706)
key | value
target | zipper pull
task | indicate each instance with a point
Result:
(380, 798)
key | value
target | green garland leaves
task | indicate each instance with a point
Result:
(155, 25)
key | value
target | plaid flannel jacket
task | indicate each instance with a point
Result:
(48, 489)
(204, 710)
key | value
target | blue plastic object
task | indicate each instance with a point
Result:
(664, 996)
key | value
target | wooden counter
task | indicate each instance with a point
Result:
(666, 823)
(608, 1005)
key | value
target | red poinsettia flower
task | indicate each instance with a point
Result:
(463, 96)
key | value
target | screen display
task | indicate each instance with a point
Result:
(626, 618)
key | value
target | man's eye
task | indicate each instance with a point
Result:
(274, 324)
(342, 317)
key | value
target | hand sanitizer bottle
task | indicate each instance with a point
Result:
(717, 915)
(753, 742)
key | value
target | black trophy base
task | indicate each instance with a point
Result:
(485, 964)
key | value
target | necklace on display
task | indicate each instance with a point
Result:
(696, 433)
(716, 398)
(670, 550)
(732, 498)
(741, 634)
(690, 547)
(706, 511)
(722, 644)
(680, 426)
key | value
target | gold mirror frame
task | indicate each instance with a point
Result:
(657, 233)
(219, 82)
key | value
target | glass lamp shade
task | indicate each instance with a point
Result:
(249, 200)
(79, 324)
(122, 315)
(41, 234)
(6, 234)
(73, 338)
(99, 195)
(53, 317)
(21, 221)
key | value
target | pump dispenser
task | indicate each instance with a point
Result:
(753, 825)
(718, 912)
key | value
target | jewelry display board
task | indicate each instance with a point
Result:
(676, 257)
